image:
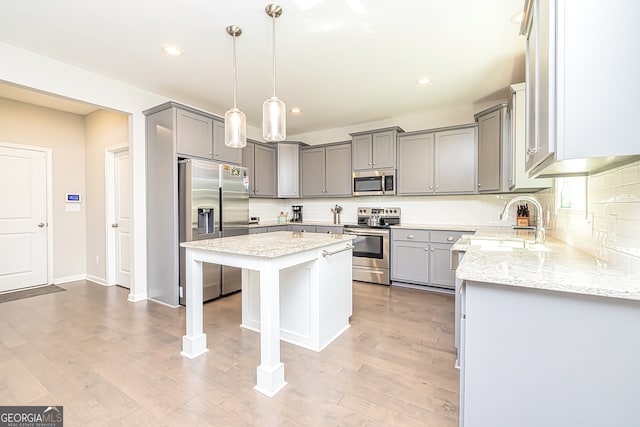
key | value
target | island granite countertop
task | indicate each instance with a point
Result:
(269, 245)
(557, 267)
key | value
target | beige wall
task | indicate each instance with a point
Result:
(103, 129)
(27, 124)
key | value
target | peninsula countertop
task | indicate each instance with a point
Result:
(556, 267)
(269, 245)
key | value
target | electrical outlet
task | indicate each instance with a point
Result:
(97, 259)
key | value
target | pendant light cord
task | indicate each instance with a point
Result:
(274, 55)
(235, 77)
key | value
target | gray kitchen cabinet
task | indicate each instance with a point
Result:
(422, 257)
(580, 88)
(455, 160)
(258, 230)
(221, 152)
(415, 163)
(410, 261)
(375, 149)
(437, 161)
(313, 169)
(260, 159)
(288, 170)
(194, 134)
(326, 171)
(491, 125)
(303, 228)
(330, 229)
(515, 177)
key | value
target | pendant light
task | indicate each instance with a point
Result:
(274, 113)
(235, 121)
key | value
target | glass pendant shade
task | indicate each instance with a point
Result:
(235, 122)
(235, 128)
(274, 120)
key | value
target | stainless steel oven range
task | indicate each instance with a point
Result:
(371, 246)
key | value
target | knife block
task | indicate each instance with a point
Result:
(522, 221)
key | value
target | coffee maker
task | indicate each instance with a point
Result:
(296, 215)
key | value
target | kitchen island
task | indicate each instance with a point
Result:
(547, 335)
(296, 286)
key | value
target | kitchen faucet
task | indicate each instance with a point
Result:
(539, 225)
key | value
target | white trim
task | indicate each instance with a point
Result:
(97, 280)
(67, 279)
(109, 159)
(49, 173)
(164, 303)
(142, 296)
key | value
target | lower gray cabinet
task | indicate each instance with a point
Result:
(422, 257)
(330, 229)
(303, 228)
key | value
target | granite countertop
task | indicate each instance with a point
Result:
(269, 245)
(439, 227)
(554, 267)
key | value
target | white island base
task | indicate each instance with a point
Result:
(295, 285)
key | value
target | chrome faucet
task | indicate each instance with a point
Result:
(540, 233)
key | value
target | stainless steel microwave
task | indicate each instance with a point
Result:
(380, 182)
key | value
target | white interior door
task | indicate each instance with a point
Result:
(122, 216)
(23, 218)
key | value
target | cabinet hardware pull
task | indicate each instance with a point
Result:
(532, 151)
(114, 225)
(410, 236)
(450, 239)
(41, 225)
(327, 253)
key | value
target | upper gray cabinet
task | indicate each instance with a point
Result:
(437, 161)
(582, 85)
(515, 177)
(194, 134)
(491, 124)
(260, 160)
(375, 149)
(221, 152)
(326, 171)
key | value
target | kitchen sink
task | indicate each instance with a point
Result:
(505, 245)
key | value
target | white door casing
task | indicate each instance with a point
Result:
(23, 217)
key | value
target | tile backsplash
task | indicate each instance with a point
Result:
(610, 230)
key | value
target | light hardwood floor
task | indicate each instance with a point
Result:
(112, 362)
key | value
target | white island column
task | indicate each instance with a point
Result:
(194, 343)
(270, 372)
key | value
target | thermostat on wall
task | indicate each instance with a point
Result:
(72, 198)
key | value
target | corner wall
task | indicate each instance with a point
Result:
(103, 129)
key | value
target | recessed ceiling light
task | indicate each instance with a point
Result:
(516, 18)
(172, 50)
(423, 81)
(295, 110)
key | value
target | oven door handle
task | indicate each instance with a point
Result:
(368, 232)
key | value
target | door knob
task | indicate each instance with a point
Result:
(41, 225)
(114, 225)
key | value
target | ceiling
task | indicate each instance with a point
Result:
(343, 62)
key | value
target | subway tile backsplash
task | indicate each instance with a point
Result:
(610, 230)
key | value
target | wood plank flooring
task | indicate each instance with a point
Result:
(112, 362)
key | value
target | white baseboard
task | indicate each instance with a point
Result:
(165, 304)
(142, 296)
(97, 280)
(67, 279)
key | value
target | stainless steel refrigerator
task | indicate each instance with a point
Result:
(213, 203)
